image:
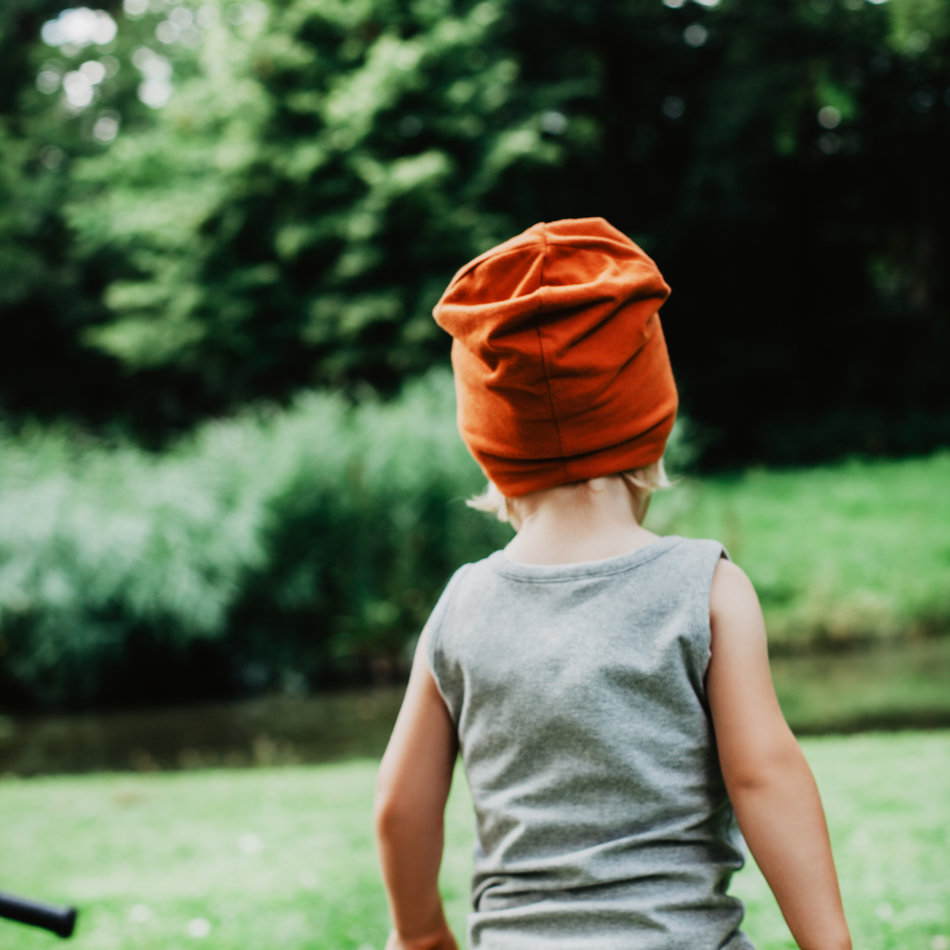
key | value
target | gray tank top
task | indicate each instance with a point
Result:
(602, 820)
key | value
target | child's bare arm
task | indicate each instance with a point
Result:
(770, 784)
(413, 785)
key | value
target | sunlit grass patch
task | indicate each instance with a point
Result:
(217, 859)
(284, 857)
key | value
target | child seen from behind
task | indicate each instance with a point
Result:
(608, 689)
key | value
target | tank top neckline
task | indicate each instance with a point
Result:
(518, 570)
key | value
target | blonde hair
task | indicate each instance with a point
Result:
(642, 482)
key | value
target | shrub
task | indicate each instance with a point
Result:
(275, 548)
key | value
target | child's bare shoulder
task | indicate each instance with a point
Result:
(732, 598)
(729, 578)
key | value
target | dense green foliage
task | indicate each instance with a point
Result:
(284, 857)
(282, 549)
(270, 550)
(209, 203)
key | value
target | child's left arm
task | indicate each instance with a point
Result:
(768, 779)
(413, 785)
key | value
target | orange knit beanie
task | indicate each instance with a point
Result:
(561, 369)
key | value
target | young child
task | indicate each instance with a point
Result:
(609, 689)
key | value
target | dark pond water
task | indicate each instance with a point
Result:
(870, 688)
(275, 730)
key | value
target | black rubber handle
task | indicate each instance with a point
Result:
(60, 920)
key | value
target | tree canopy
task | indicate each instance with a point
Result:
(205, 204)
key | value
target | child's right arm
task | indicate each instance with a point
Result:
(413, 784)
(769, 782)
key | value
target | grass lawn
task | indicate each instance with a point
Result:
(283, 858)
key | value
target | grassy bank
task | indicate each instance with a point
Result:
(838, 553)
(284, 857)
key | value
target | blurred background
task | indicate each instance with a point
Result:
(231, 488)
(229, 468)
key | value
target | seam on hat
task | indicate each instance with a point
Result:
(494, 252)
(544, 362)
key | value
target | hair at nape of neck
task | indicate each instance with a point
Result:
(641, 482)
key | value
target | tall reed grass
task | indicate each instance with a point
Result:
(286, 546)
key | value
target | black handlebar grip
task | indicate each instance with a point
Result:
(60, 920)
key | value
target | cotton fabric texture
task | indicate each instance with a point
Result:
(561, 367)
(578, 694)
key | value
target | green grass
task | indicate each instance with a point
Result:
(284, 857)
(838, 553)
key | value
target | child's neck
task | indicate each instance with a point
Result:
(587, 521)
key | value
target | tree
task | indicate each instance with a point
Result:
(44, 295)
(265, 197)
(293, 214)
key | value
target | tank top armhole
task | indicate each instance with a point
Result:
(716, 553)
(434, 649)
